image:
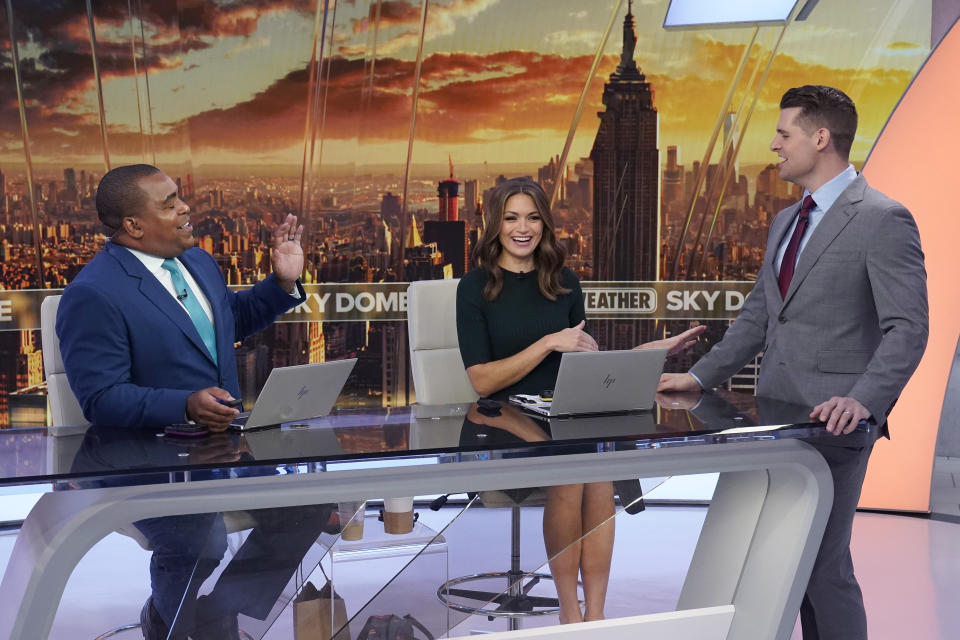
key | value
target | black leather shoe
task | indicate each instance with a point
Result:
(212, 623)
(151, 624)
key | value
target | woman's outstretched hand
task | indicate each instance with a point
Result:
(676, 344)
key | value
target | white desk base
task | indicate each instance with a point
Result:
(755, 552)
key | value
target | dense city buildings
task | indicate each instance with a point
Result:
(356, 241)
(622, 214)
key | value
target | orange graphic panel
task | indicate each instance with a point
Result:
(914, 161)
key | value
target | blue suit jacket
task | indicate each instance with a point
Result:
(131, 353)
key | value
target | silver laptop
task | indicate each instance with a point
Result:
(601, 382)
(296, 393)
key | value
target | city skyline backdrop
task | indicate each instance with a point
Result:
(328, 138)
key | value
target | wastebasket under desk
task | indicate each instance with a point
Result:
(384, 573)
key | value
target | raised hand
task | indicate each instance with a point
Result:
(287, 254)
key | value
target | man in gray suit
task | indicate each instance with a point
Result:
(839, 311)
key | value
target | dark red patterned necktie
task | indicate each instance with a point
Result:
(790, 257)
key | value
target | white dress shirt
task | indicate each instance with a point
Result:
(154, 265)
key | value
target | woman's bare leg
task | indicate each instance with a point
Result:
(562, 521)
(597, 546)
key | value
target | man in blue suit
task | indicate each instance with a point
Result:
(147, 328)
(147, 332)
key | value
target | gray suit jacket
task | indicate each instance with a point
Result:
(854, 321)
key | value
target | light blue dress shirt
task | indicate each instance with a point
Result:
(824, 197)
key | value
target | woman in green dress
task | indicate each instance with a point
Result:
(517, 312)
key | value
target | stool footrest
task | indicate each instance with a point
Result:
(513, 602)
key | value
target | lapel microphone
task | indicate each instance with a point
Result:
(521, 276)
(183, 296)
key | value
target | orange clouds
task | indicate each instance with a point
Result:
(469, 99)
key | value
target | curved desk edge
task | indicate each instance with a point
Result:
(788, 481)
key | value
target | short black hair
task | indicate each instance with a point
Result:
(826, 107)
(119, 195)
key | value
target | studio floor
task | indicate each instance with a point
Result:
(909, 569)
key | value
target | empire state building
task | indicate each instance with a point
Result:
(626, 170)
(626, 188)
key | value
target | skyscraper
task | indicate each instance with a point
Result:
(673, 184)
(71, 193)
(626, 188)
(448, 191)
(470, 200)
(390, 208)
(450, 236)
(626, 174)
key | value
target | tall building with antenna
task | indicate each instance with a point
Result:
(626, 186)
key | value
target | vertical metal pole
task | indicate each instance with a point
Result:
(146, 80)
(313, 81)
(743, 130)
(96, 75)
(28, 160)
(136, 81)
(410, 135)
(709, 151)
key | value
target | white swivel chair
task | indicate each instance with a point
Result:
(438, 373)
(439, 377)
(64, 408)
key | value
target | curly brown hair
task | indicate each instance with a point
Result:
(548, 256)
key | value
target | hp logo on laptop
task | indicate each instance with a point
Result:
(303, 391)
(608, 381)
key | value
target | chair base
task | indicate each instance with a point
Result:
(515, 602)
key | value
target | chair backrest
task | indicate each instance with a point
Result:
(64, 408)
(439, 376)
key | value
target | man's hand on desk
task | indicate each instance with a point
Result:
(679, 399)
(841, 414)
(673, 382)
(204, 407)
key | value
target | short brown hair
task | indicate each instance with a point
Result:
(822, 106)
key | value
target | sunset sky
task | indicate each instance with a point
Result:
(228, 82)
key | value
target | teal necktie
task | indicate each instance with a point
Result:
(189, 300)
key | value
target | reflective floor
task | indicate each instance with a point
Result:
(909, 569)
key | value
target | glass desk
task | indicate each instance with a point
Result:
(748, 571)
